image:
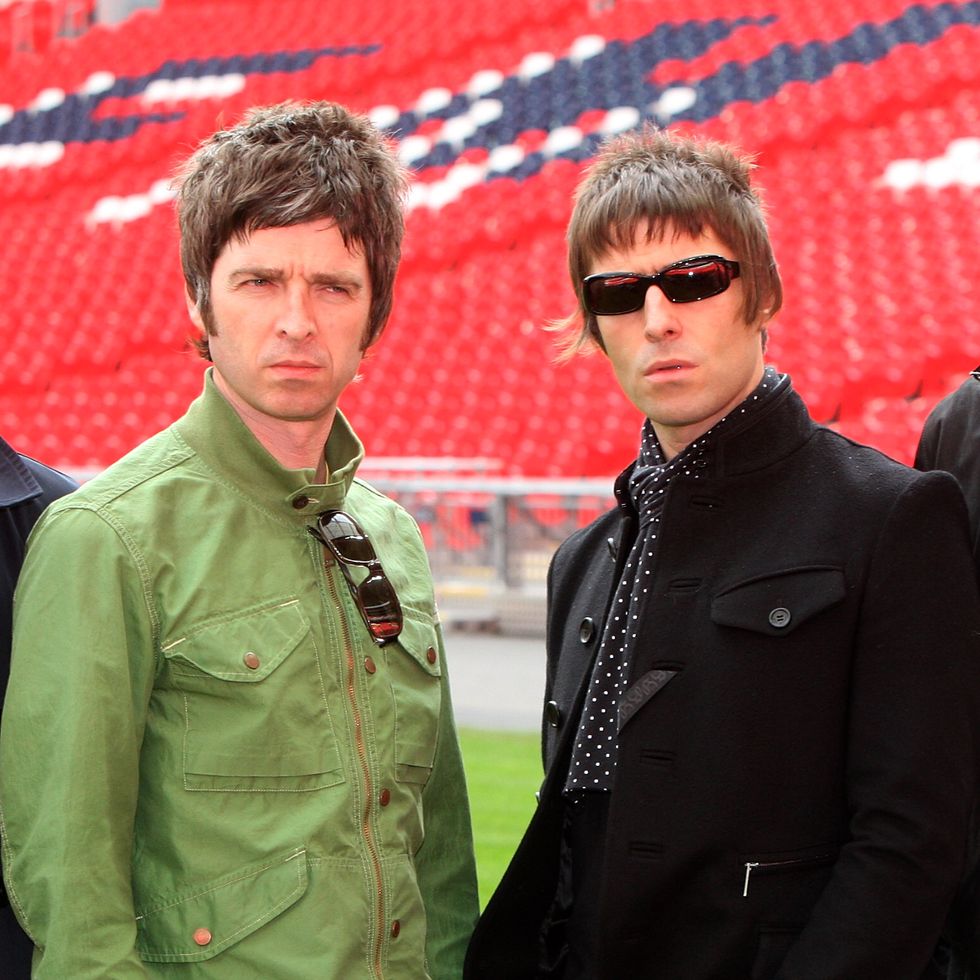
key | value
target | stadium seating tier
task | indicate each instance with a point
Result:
(873, 187)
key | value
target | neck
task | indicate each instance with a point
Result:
(672, 446)
(293, 444)
(674, 439)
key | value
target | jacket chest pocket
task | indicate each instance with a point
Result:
(415, 668)
(255, 713)
(778, 603)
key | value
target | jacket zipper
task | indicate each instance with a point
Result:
(762, 867)
(366, 830)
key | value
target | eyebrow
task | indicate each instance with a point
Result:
(255, 272)
(272, 274)
(350, 279)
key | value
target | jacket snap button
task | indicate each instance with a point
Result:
(586, 630)
(553, 713)
(396, 927)
(300, 502)
(385, 798)
(252, 660)
(202, 936)
(430, 655)
(779, 617)
(369, 665)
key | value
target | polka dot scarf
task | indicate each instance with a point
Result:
(594, 753)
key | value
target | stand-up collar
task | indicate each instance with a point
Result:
(779, 427)
(17, 483)
(222, 441)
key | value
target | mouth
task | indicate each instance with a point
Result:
(666, 369)
(295, 366)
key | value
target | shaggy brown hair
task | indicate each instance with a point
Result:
(285, 165)
(665, 182)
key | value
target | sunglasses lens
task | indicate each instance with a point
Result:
(355, 549)
(612, 295)
(380, 605)
(687, 284)
(346, 538)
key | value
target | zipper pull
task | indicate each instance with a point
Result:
(749, 865)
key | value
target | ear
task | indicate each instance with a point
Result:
(193, 311)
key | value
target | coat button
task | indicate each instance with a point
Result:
(396, 927)
(369, 665)
(252, 660)
(779, 617)
(384, 798)
(552, 713)
(300, 502)
(586, 630)
(202, 936)
(430, 655)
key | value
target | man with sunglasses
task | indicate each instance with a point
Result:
(761, 718)
(229, 748)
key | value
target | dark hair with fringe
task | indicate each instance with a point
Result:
(663, 182)
(285, 165)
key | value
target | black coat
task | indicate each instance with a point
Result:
(26, 488)
(802, 707)
(951, 441)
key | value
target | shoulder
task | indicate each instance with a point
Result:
(950, 426)
(53, 483)
(964, 400)
(383, 517)
(23, 479)
(125, 502)
(369, 501)
(866, 488)
(850, 464)
(136, 474)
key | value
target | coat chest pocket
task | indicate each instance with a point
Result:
(415, 669)
(255, 714)
(779, 602)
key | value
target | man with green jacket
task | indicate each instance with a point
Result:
(228, 748)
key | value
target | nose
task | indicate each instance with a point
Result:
(296, 318)
(660, 320)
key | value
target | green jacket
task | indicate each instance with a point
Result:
(207, 767)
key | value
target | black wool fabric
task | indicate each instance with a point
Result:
(593, 758)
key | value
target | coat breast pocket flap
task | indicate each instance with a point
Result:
(203, 922)
(244, 648)
(779, 602)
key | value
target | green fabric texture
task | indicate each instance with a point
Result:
(207, 767)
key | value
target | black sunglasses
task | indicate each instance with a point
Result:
(375, 595)
(687, 281)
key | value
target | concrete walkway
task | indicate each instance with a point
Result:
(497, 681)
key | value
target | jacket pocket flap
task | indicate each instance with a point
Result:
(199, 925)
(777, 603)
(244, 646)
(418, 640)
